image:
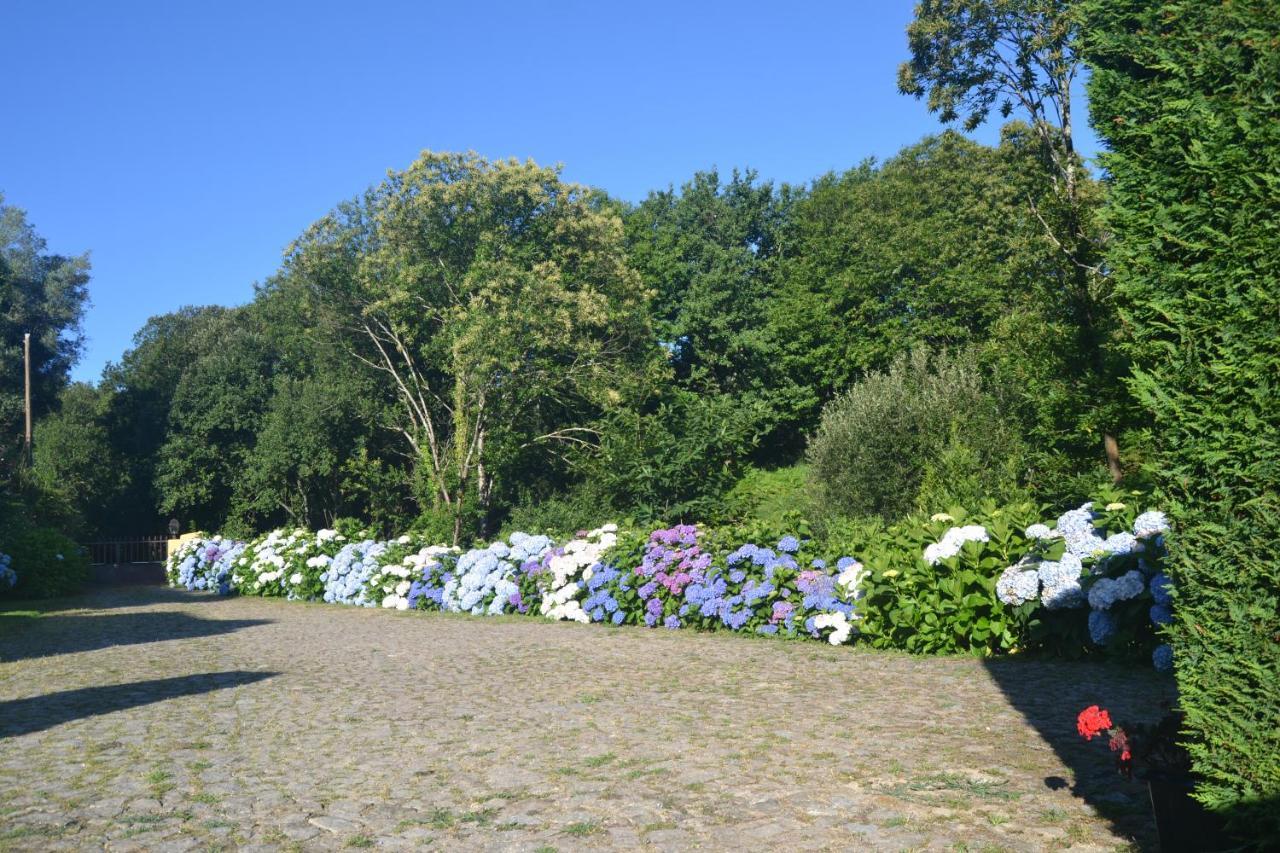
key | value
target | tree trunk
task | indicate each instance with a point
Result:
(1112, 449)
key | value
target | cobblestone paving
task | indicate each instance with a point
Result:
(149, 719)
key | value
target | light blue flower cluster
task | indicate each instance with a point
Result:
(346, 577)
(1077, 529)
(484, 580)
(1018, 585)
(205, 564)
(1149, 524)
(1107, 591)
(1098, 566)
(1060, 582)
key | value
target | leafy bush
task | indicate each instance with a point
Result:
(677, 461)
(289, 563)
(775, 497)
(998, 580)
(932, 586)
(1186, 97)
(44, 563)
(924, 421)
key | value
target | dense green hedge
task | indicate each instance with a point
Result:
(1187, 97)
(47, 563)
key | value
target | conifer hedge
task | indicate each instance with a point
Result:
(1186, 96)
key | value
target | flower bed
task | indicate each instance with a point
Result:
(995, 581)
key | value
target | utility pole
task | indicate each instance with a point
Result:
(26, 359)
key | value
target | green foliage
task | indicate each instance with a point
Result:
(927, 249)
(1022, 56)
(44, 295)
(951, 606)
(497, 302)
(560, 515)
(774, 497)
(676, 460)
(75, 458)
(707, 254)
(217, 410)
(47, 562)
(1187, 97)
(926, 430)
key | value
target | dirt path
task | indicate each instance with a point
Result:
(151, 719)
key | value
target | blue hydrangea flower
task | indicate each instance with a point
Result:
(1162, 658)
(1102, 627)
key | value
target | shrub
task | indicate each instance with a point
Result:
(988, 582)
(1187, 97)
(204, 564)
(924, 421)
(44, 563)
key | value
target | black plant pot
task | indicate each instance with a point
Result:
(1182, 823)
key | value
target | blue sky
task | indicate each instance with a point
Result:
(184, 145)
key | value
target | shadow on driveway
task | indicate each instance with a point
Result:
(23, 636)
(1050, 693)
(23, 716)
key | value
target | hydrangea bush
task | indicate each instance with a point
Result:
(288, 563)
(1100, 566)
(484, 581)
(996, 580)
(204, 564)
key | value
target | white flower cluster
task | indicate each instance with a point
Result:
(287, 561)
(1107, 591)
(842, 628)
(1041, 531)
(1152, 523)
(568, 570)
(8, 577)
(952, 541)
(392, 582)
(850, 580)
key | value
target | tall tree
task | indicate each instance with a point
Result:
(44, 295)
(929, 248)
(1022, 56)
(497, 300)
(214, 419)
(707, 253)
(136, 396)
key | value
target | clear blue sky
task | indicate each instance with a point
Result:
(184, 145)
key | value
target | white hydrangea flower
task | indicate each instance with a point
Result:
(1150, 524)
(952, 541)
(842, 628)
(1040, 531)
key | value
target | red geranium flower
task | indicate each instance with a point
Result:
(1092, 721)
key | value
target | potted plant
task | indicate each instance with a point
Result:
(1154, 751)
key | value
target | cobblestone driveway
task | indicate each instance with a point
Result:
(160, 720)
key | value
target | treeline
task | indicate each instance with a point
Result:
(473, 341)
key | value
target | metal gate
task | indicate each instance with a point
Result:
(130, 549)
